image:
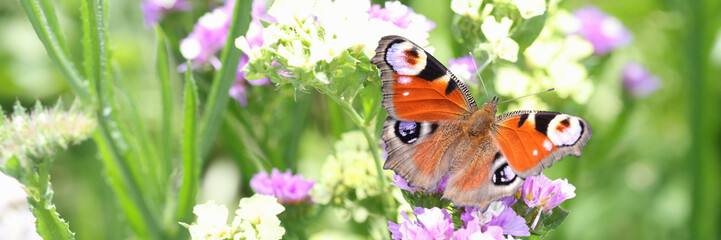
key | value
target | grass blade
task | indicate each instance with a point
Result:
(42, 16)
(167, 101)
(191, 168)
(218, 98)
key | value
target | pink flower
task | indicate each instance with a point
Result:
(208, 37)
(501, 216)
(402, 16)
(605, 32)
(541, 191)
(154, 10)
(638, 81)
(464, 68)
(434, 223)
(288, 188)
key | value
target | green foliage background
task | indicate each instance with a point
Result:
(673, 134)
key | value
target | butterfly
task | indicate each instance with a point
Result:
(434, 129)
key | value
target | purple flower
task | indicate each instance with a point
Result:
(208, 37)
(434, 223)
(498, 214)
(638, 81)
(288, 188)
(541, 191)
(464, 68)
(401, 183)
(492, 232)
(154, 10)
(605, 32)
(401, 16)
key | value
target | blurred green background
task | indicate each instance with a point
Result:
(654, 177)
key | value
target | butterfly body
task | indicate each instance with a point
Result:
(435, 129)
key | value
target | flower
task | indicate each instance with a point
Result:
(402, 16)
(507, 49)
(466, 7)
(154, 10)
(498, 214)
(497, 35)
(434, 223)
(211, 223)
(530, 8)
(288, 188)
(605, 32)
(464, 68)
(494, 30)
(257, 206)
(539, 191)
(638, 81)
(208, 37)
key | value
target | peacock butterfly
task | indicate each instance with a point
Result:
(435, 128)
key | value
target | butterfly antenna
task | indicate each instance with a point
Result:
(547, 90)
(478, 71)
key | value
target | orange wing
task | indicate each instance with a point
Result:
(416, 87)
(533, 140)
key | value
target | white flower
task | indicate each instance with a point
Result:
(257, 206)
(288, 12)
(530, 8)
(466, 7)
(211, 223)
(190, 48)
(269, 228)
(507, 49)
(495, 31)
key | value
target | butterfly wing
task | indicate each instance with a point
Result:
(416, 86)
(482, 177)
(424, 101)
(534, 140)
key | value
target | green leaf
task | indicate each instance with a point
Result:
(163, 69)
(48, 223)
(42, 17)
(529, 31)
(218, 97)
(191, 163)
(371, 98)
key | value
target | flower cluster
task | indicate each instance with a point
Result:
(501, 218)
(255, 219)
(38, 133)
(313, 43)
(349, 177)
(288, 188)
(154, 10)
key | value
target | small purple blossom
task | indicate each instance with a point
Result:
(464, 68)
(288, 188)
(434, 223)
(401, 183)
(638, 81)
(496, 215)
(154, 10)
(605, 32)
(208, 37)
(401, 16)
(541, 191)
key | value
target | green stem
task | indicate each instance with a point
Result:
(372, 143)
(42, 16)
(218, 97)
(166, 100)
